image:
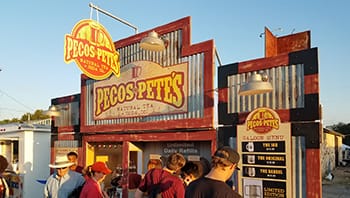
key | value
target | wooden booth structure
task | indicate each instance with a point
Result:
(287, 163)
(163, 102)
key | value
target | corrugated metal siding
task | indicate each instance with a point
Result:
(66, 143)
(299, 166)
(288, 90)
(168, 57)
(69, 114)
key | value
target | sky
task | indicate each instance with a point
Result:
(32, 33)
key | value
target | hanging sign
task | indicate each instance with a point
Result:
(93, 50)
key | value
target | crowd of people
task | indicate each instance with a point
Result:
(192, 179)
(172, 177)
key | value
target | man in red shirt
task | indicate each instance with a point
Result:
(166, 180)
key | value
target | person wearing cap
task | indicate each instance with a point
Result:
(155, 161)
(92, 187)
(167, 179)
(224, 163)
(63, 181)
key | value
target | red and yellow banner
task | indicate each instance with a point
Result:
(93, 50)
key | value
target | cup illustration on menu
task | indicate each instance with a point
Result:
(250, 171)
(250, 146)
(253, 191)
(251, 159)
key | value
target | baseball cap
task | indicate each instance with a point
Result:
(229, 154)
(100, 167)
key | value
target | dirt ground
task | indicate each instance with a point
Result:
(339, 187)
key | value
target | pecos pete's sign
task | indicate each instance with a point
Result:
(93, 50)
(145, 88)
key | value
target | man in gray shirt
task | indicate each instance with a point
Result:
(61, 183)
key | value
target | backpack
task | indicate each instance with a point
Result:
(156, 191)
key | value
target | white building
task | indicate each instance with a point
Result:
(29, 144)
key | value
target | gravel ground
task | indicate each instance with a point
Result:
(339, 187)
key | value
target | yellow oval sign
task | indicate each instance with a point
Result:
(262, 120)
(93, 50)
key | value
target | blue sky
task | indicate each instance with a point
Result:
(32, 38)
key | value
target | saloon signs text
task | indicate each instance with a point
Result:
(92, 48)
(144, 88)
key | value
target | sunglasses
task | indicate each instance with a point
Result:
(61, 168)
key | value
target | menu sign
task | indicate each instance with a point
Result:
(263, 172)
(264, 144)
(263, 159)
(278, 146)
(264, 188)
(185, 148)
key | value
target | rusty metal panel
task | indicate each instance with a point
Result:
(168, 57)
(288, 90)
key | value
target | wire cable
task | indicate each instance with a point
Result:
(14, 99)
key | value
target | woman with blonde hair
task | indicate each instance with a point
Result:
(154, 163)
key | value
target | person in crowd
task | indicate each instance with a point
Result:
(73, 157)
(224, 163)
(86, 172)
(167, 180)
(117, 176)
(63, 181)
(4, 188)
(191, 171)
(92, 187)
(154, 161)
(15, 165)
(10, 182)
(134, 177)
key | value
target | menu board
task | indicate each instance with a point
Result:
(264, 144)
